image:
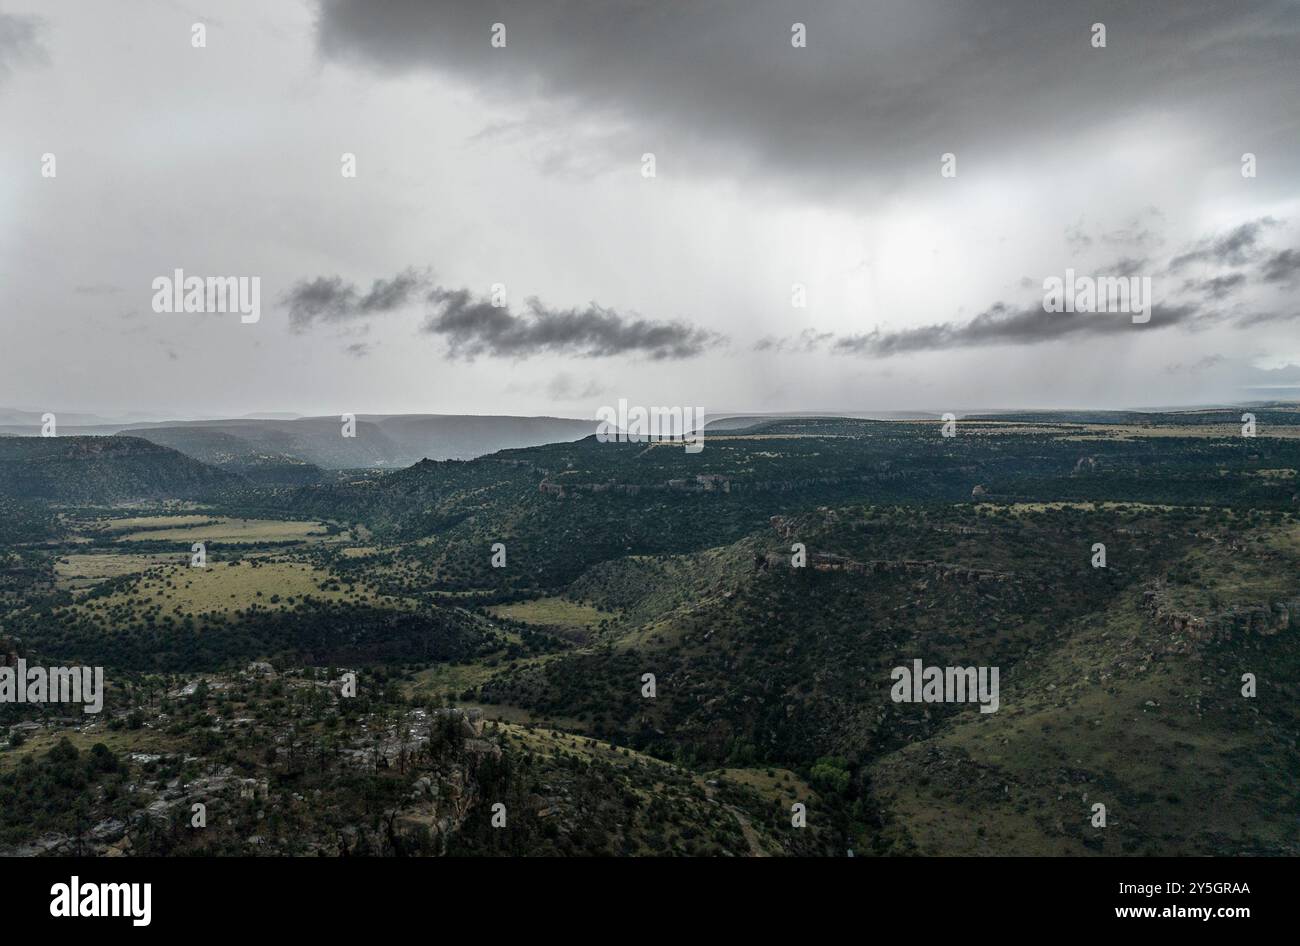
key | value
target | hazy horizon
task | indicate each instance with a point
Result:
(132, 418)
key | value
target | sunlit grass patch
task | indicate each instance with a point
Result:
(237, 531)
(233, 586)
(552, 611)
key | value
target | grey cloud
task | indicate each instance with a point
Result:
(1000, 324)
(1264, 318)
(1281, 267)
(19, 42)
(806, 341)
(331, 299)
(1003, 325)
(1235, 248)
(388, 294)
(1127, 267)
(879, 88)
(1217, 287)
(473, 327)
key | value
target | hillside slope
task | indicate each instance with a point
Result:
(103, 470)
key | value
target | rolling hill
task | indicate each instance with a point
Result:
(269, 444)
(103, 470)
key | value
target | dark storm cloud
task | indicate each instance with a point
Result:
(473, 326)
(880, 87)
(19, 42)
(331, 299)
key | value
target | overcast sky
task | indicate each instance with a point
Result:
(522, 165)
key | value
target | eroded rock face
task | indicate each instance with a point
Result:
(704, 483)
(785, 526)
(942, 571)
(1189, 628)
